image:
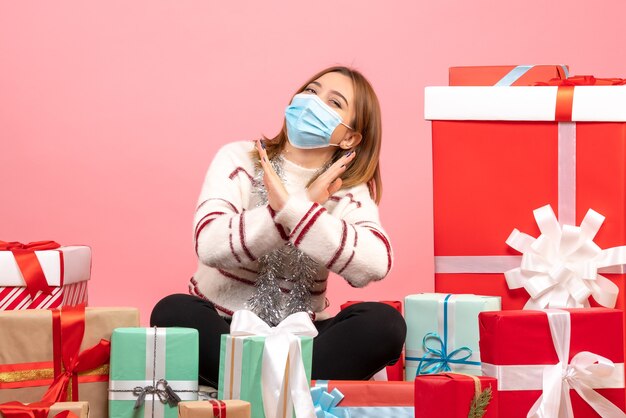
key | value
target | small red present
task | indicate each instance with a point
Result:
(394, 372)
(505, 75)
(555, 360)
(455, 395)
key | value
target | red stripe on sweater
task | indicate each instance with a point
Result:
(218, 198)
(386, 242)
(279, 227)
(356, 236)
(242, 236)
(347, 262)
(230, 240)
(203, 218)
(198, 293)
(208, 221)
(349, 196)
(306, 215)
(238, 170)
(308, 226)
(344, 235)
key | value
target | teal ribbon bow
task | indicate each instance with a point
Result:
(438, 360)
(326, 403)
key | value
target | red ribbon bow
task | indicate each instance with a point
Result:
(565, 93)
(68, 328)
(32, 410)
(29, 264)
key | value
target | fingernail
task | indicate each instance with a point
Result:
(348, 153)
(262, 145)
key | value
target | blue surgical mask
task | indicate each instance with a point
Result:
(311, 122)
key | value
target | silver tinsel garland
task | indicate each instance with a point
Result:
(286, 262)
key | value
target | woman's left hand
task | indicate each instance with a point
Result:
(329, 182)
(277, 195)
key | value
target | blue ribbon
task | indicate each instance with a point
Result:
(438, 360)
(517, 72)
(326, 403)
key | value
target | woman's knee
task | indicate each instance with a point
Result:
(384, 321)
(174, 310)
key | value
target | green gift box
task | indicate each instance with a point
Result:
(151, 369)
(241, 371)
(442, 332)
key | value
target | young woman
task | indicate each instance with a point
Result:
(275, 216)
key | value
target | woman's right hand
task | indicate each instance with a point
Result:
(329, 182)
(277, 195)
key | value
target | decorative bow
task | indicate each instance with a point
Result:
(582, 80)
(437, 360)
(326, 403)
(28, 264)
(162, 389)
(580, 375)
(282, 366)
(560, 268)
(71, 322)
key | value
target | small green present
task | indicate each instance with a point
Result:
(152, 369)
(442, 332)
(268, 367)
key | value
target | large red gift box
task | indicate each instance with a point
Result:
(434, 394)
(517, 347)
(501, 152)
(509, 75)
(43, 275)
(395, 372)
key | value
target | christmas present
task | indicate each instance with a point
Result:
(442, 332)
(505, 75)
(500, 152)
(152, 369)
(214, 409)
(58, 355)
(474, 396)
(563, 363)
(44, 410)
(42, 275)
(395, 371)
(363, 399)
(270, 367)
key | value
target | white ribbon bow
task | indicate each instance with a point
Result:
(282, 362)
(585, 370)
(560, 268)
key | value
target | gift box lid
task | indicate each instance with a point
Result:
(490, 75)
(536, 103)
(64, 265)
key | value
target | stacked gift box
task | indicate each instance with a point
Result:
(512, 146)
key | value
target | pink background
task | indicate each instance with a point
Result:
(111, 111)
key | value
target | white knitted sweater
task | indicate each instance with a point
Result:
(232, 232)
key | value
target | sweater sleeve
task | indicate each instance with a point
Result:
(349, 241)
(226, 235)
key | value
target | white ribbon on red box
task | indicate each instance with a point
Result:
(586, 372)
(560, 268)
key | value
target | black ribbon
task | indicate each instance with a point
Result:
(162, 390)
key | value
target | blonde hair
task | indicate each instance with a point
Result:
(365, 168)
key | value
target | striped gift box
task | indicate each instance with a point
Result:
(67, 270)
